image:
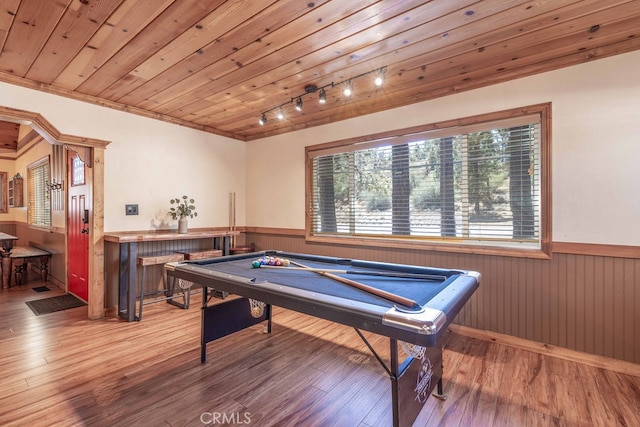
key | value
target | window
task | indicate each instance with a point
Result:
(38, 178)
(476, 184)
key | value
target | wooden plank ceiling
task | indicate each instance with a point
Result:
(218, 65)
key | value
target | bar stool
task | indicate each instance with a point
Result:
(197, 255)
(159, 258)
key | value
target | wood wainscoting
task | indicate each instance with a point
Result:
(585, 298)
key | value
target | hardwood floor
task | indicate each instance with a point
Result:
(62, 369)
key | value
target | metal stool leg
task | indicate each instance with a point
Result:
(141, 293)
(187, 296)
(171, 286)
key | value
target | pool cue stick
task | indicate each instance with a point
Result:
(364, 273)
(378, 292)
(232, 218)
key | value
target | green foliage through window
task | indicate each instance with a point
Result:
(466, 183)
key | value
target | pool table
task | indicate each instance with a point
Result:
(406, 303)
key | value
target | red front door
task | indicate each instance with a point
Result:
(78, 228)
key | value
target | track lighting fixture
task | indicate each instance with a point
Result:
(322, 98)
(322, 93)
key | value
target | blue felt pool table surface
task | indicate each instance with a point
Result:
(312, 293)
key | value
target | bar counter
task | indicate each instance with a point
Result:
(128, 253)
(145, 236)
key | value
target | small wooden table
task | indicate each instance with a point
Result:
(6, 242)
(21, 256)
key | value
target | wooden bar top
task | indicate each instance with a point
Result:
(151, 235)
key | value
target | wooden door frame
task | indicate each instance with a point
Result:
(93, 150)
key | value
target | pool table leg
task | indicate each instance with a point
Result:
(439, 394)
(203, 343)
(395, 404)
(227, 317)
(412, 382)
(269, 314)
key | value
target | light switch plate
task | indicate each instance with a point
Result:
(131, 209)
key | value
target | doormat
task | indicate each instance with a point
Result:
(53, 304)
(41, 289)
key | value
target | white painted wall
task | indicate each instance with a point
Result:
(595, 155)
(596, 152)
(148, 162)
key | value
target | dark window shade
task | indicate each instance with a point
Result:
(38, 176)
(479, 183)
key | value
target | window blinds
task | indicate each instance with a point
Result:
(39, 209)
(469, 183)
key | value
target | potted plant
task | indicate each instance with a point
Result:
(184, 208)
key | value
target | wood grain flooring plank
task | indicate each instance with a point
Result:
(62, 369)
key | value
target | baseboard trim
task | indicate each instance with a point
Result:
(55, 281)
(593, 360)
(111, 312)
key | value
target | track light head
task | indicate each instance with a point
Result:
(299, 104)
(322, 98)
(348, 89)
(280, 115)
(378, 80)
(263, 119)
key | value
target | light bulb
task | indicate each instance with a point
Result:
(348, 90)
(322, 98)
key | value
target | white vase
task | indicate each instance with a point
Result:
(183, 225)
